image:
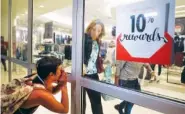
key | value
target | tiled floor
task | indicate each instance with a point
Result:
(164, 88)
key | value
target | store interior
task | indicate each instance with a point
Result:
(52, 36)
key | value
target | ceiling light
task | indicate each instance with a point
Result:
(26, 12)
(180, 15)
(112, 3)
(58, 18)
(41, 6)
(183, 11)
(182, 6)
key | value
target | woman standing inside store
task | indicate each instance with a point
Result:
(94, 32)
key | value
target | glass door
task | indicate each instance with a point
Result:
(99, 93)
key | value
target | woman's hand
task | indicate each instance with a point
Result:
(62, 82)
(84, 70)
(63, 79)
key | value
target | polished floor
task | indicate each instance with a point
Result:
(163, 88)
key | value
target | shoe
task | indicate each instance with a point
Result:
(158, 81)
(153, 78)
(117, 107)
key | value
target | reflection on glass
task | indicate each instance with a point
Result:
(156, 79)
(111, 105)
(19, 29)
(4, 73)
(4, 27)
(52, 31)
(18, 71)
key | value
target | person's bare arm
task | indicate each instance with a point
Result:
(119, 66)
(56, 89)
(148, 67)
(47, 100)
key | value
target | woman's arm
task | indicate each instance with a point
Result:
(119, 67)
(148, 67)
(61, 82)
(47, 100)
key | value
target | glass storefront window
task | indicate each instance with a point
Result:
(18, 71)
(111, 105)
(52, 36)
(4, 26)
(52, 31)
(4, 73)
(19, 29)
(100, 23)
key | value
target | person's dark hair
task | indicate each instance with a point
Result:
(45, 66)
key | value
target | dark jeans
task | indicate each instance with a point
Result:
(94, 97)
(3, 61)
(130, 84)
(159, 68)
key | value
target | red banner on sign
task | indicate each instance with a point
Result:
(163, 56)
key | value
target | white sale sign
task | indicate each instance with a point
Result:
(142, 30)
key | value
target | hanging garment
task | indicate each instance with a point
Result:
(183, 76)
(179, 59)
(61, 49)
(67, 52)
(108, 79)
(25, 54)
(103, 53)
(110, 56)
(178, 47)
(62, 39)
(68, 40)
(18, 53)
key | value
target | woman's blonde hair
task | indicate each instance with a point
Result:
(92, 24)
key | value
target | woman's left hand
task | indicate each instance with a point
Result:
(63, 79)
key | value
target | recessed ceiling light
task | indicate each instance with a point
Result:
(41, 6)
(179, 15)
(182, 6)
(26, 12)
(182, 11)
